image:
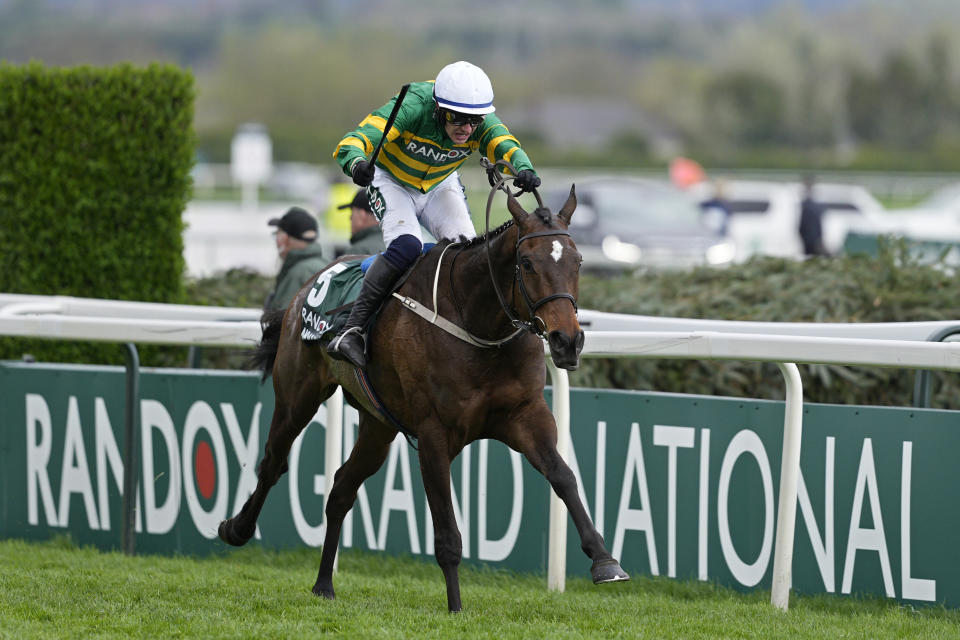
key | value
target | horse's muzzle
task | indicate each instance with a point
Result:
(565, 349)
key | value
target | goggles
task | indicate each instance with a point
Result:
(458, 119)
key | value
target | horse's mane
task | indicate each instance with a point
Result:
(545, 215)
(479, 240)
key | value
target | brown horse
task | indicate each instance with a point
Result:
(444, 389)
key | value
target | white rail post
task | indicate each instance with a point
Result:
(789, 475)
(333, 457)
(557, 545)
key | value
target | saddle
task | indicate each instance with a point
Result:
(327, 306)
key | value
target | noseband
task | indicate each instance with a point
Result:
(536, 324)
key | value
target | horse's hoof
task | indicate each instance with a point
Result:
(324, 592)
(226, 533)
(609, 571)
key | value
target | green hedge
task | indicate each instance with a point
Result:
(94, 176)
(890, 287)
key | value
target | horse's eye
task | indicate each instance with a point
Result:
(526, 264)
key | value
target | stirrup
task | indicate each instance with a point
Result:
(335, 351)
(334, 345)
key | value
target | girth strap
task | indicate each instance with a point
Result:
(374, 399)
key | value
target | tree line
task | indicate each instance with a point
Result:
(861, 85)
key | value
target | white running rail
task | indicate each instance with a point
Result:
(892, 345)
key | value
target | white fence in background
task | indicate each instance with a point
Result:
(221, 236)
(889, 345)
(604, 321)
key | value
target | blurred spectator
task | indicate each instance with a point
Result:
(811, 221)
(302, 257)
(366, 236)
(716, 209)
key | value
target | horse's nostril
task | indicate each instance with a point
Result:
(560, 341)
(557, 340)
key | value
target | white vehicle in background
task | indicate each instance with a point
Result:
(936, 218)
(765, 216)
(944, 200)
(932, 227)
(623, 224)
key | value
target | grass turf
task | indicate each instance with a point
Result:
(56, 590)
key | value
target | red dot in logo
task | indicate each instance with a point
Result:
(204, 469)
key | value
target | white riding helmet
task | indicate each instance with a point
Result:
(465, 88)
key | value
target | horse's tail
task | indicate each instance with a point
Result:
(266, 352)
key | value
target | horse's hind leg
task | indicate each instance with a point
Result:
(290, 415)
(535, 436)
(448, 544)
(369, 452)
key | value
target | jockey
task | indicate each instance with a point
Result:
(414, 180)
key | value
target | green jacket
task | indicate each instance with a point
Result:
(417, 152)
(367, 241)
(298, 267)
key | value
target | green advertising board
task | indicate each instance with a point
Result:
(679, 485)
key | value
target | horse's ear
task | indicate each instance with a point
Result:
(568, 206)
(513, 206)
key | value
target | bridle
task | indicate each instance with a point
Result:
(535, 325)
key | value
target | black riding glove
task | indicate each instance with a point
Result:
(362, 173)
(527, 180)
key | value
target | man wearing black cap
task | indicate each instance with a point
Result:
(366, 237)
(302, 258)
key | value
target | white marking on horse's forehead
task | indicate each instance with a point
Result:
(557, 251)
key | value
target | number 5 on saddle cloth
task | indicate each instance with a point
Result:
(327, 306)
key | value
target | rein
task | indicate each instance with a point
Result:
(435, 318)
(536, 324)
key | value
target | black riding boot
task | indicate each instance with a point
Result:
(348, 344)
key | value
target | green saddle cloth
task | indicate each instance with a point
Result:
(326, 308)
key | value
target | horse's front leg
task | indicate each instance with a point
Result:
(535, 436)
(448, 545)
(289, 419)
(369, 452)
(238, 530)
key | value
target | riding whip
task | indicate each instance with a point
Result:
(390, 121)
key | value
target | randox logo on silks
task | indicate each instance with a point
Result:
(428, 154)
